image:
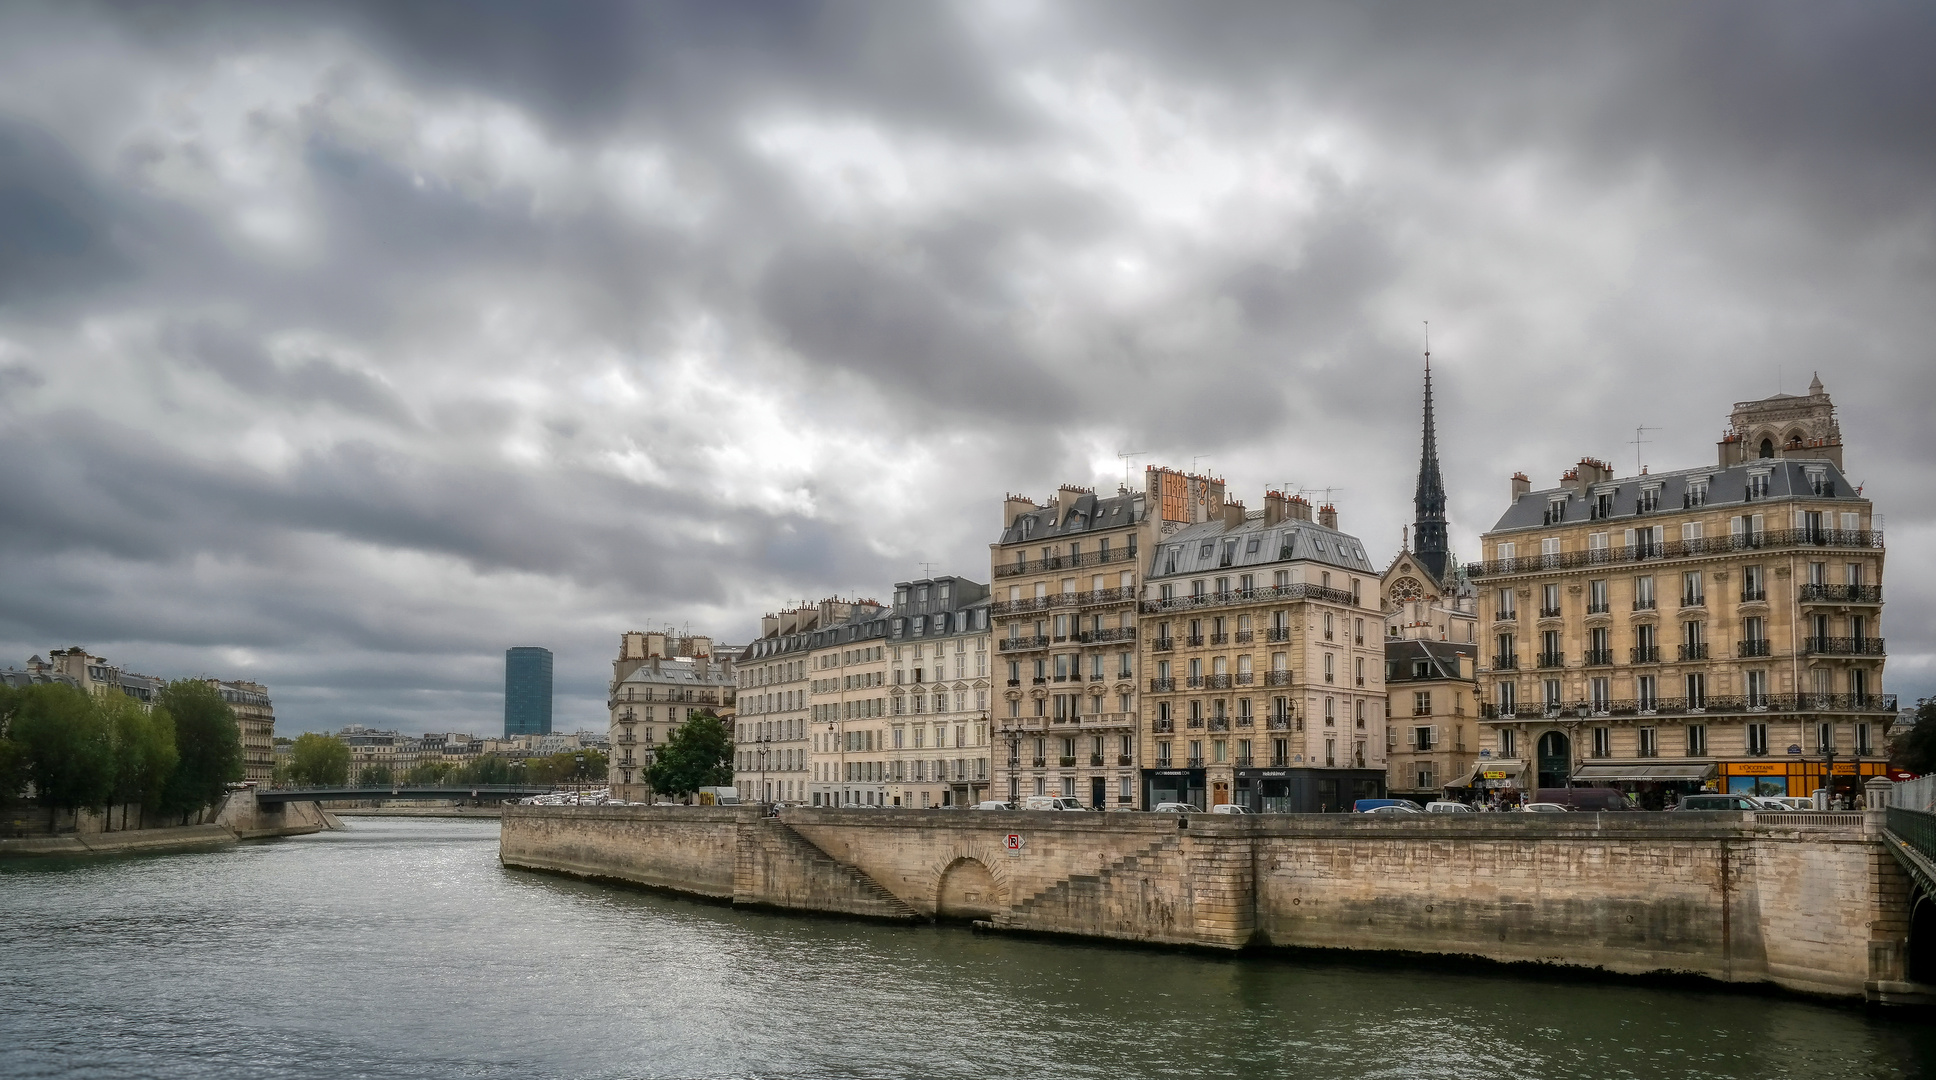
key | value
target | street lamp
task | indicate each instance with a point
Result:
(1014, 761)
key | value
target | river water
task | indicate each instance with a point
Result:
(401, 948)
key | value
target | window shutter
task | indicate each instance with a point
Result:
(1630, 538)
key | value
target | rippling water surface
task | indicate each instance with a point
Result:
(401, 949)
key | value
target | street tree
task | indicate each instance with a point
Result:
(143, 742)
(375, 776)
(319, 761)
(699, 753)
(208, 743)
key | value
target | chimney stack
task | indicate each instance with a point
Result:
(1298, 508)
(1273, 507)
(1065, 499)
(1328, 516)
(1520, 485)
(1233, 514)
(1014, 506)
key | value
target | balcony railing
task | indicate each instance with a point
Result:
(1841, 594)
(1065, 762)
(1774, 539)
(1245, 637)
(1063, 562)
(1023, 644)
(1694, 651)
(1124, 759)
(1643, 603)
(1597, 657)
(1843, 646)
(1597, 609)
(1162, 727)
(1707, 705)
(1252, 596)
(1193, 639)
(1753, 647)
(1194, 763)
(1219, 639)
(1219, 723)
(1552, 659)
(1037, 762)
(1111, 633)
(1505, 663)
(1278, 723)
(1277, 633)
(1194, 682)
(1245, 678)
(1549, 613)
(1754, 596)
(1689, 600)
(1217, 682)
(1095, 761)
(1645, 654)
(1242, 761)
(1162, 686)
(1277, 678)
(1162, 644)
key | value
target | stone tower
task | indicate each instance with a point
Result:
(1430, 544)
(1786, 425)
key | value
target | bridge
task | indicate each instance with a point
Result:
(1910, 835)
(396, 792)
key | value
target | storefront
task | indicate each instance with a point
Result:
(1653, 787)
(1796, 776)
(1304, 791)
(1174, 785)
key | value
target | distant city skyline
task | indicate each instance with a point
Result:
(343, 344)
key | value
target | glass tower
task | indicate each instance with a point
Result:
(527, 691)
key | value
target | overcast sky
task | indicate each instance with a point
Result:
(343, 346)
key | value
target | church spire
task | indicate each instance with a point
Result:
(1429, 543)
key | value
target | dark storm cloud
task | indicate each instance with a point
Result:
(344, 344)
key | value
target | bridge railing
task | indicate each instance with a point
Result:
(1916, 828)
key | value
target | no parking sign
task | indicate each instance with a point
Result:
(1013, 842)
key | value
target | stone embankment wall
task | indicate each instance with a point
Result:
(239, 817)
(1815, 908)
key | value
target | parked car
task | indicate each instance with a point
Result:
(1788, 802)
(1050, 802)
(1228, 808)
(1174, 808)
(1366, 806)
(1547, 808)
(1444, 806)
(993, 805)
(1403, 806)
(1585, 798)
(1718, 802)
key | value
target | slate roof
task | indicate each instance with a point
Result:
(1090, 513)
(1402, 653)
(1258, 544)
(681, 670)
(1788, 478)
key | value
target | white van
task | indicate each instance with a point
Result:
(1049, 802)
(718, 796)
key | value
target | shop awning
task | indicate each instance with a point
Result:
(1645, 772)
(1509, 766)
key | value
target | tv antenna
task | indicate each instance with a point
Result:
(927, 569)
(1639, 442)
(1129, 456)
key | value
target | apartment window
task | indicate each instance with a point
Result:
(1602, 742)
(1863, 747)
(1603, 504)
(1643, 592)
(1697, 740)
(1505, 608)
(1693, 594)
(1508, 744)
(1696, 685)
(1552, 693)
(1757, 738)
(1757, 485)
(1505, 692)
(1549, 601)
(1824, 738)
(1422, 703)
(1596, 597)
(1329, 664)
(1330, 712)
(1422, 739)
(1757, 688)
(1647, 693)
(1163, 752)
(1649, 742)
(1601, 689)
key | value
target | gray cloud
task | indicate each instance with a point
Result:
(345, 344)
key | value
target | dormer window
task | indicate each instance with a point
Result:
(1696, 493)
(1603, 503)
(1556, 510)
(1818, 482)
(1648, 500)
(1209, 549)
(1758, 484)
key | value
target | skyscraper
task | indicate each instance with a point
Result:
(527, 691)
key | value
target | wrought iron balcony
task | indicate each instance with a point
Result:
(1161, 685)
(1694, 651)
(1252, 596)
(1112, 633)
(1217, 682)
(1095, 761)
(1549, 613)
(1277, 633)
(1843, 646)
(1278, 723)
(1242, 761)
(1244, 637)
(1645, 654)
(1774, 539)
(1277, 678)
(1506, 663)
(1194, 763)
(1194, 682)
(1245, 678)
(1037, 763)
(1162, 644)
(1063, 562)
(1597, 609)
(1552, 659)
(1219, 723)
(1065, 762)
(1022, 644)
(1646, 604)
(1689, 600)
(1597, 657)
(1219, 639)
(1841, 594)
(1752, 647)
(1706, 705)
(1246, 721)
(1754, 596)
(1162, 726)
(1193, 639)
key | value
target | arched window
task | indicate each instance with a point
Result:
(1767, 448)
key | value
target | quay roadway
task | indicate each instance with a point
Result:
(481, 792)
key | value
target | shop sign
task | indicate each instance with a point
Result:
(1275, 772)
(1758, 768)
(1491, 774)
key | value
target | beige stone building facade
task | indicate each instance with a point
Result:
(848, 709)
(773, 736)
(1264, 661)
(659, 681)
(1066, 574)
(1714, 627)
(255, 716)
(1432, 734)
(939, 663)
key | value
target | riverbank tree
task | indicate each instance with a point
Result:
(1914, 750)
(208, 743)
(699, 753)
(319, 761)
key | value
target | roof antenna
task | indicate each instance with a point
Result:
(1128, 456)
(927, 569)
(1638, 442)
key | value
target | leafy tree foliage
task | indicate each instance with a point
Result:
(490, 769)
(429, 772)
(208, 742)
(1915, 749)
(13, 756)
(564, 768)
(143, 742)
(68, 746)
(319, 761)
(375, 776)
(698, 754)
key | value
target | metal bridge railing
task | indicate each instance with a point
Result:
(1910, 835)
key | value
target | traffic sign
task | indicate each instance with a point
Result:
(1013, 843)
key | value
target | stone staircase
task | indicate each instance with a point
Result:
(777, 866)
(1079, 898)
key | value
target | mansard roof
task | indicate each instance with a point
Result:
(1788, 478)
(1089, 513)
(1258, 544)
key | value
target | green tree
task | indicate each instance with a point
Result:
(375, 776)
(13, 757)
(489, 769)
(67, 746)
(208, 742)
(319, 761)
(698, 754)
(1915, 749)
(144, 749)
(429, 772)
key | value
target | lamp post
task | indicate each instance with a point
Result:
(762, 757)
(1014, 738)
